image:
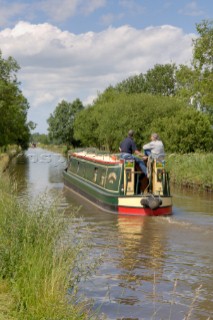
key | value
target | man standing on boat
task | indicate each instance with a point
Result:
(155, 147)
(128, 148)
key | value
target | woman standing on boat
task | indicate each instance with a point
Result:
(128, 148)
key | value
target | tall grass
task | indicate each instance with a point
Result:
(37, 259)
(192, 170)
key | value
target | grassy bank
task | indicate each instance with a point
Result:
(192, 170)
(5, 157)
(38, 257)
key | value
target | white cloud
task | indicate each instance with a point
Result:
(58, 65)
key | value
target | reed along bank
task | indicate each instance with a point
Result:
(191, 170)
(37, 259)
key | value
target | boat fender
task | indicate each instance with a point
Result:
(151, 202)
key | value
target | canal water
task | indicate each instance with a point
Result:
(152, 267)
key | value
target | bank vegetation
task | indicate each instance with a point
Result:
(42, 259)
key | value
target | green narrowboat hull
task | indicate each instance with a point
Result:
(97, 196)
(111, 185)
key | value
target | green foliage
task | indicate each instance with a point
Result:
(61, 122)
(40, 258)
(134, 84)
(203, 62)
(161, 80)
(191, 170)
(182, 128)
(194, 84)
(203, 46)
(185, 84)
(14, 128)
(40, 137)
(188, 130)
(85, 127)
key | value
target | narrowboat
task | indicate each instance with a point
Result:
(118, 185)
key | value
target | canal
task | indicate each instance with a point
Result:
(153, 267)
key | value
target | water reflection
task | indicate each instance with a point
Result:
(18, 171)
(38, 171)
(194, 201)
(141, 244)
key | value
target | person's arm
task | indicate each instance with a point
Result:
(138, 153)
(148, 146)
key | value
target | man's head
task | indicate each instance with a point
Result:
(131, 133)
(154, 136)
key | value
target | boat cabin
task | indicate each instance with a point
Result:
(117, 175)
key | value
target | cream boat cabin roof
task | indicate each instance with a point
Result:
(99, 157)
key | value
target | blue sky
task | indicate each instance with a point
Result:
(70, 49)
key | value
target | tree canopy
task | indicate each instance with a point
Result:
(203, 63)
(158, 80)
(14, 128)
(106, 123)
(61, 122)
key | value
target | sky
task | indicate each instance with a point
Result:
(69, 49)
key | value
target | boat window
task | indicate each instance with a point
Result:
(78, 166)
(103, 178)
(95, 174)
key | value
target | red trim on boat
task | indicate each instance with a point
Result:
(145, 211)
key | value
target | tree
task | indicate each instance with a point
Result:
(61, 122)
(85, 127)
(161, 79)
(188, 130)
(40, 137)
(203, 63)
(106, 123)
(133, 84)
(186, 78)
(13, 106)
(203, 46)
